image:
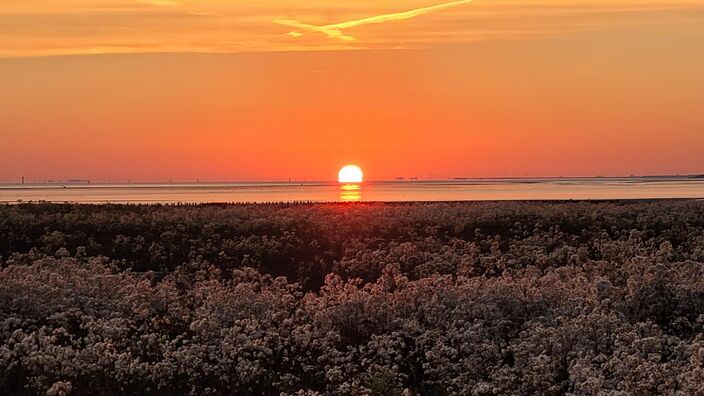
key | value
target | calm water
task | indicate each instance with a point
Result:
(454, 190)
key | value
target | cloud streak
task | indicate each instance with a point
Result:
(160, 3)
(335, 30)
(71, 27)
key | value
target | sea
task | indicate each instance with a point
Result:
(504, 189)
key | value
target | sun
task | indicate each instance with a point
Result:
(350, 174)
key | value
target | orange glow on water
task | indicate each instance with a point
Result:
(350, 193)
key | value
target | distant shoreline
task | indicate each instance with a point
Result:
(90, 183)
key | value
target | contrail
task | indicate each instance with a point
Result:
(335, 30)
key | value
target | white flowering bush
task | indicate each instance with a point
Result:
(364, 299)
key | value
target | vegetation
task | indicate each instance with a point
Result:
(579, 298)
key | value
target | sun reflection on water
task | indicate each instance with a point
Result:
(350, 193)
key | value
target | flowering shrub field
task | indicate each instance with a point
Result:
(583, 298)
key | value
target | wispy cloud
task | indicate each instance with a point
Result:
(160, 3)
(64, 27)
(335, 30)
(202, 13)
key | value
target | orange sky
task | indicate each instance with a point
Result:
(487, 88)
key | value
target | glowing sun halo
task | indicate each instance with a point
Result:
(350, 174)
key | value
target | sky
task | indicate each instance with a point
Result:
(232, 90)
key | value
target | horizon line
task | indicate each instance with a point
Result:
(300, 181)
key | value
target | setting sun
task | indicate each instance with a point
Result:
(350, 174)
